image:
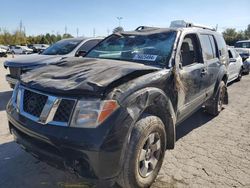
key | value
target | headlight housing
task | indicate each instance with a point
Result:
(90, 114)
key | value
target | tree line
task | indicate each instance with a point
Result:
(231, 36)
(19, 38)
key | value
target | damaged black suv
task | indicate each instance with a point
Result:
(111, 115)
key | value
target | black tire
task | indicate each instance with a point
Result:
(239, 76)
(140, 168)
(215, 106)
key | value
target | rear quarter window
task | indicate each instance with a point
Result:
(208, 48)
(221, 46)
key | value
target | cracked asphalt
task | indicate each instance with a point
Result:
(209, 152)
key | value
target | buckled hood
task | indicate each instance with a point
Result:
(75, 76)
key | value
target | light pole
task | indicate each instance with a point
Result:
(119, 20)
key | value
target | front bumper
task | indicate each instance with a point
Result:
(92, 153)
(12, 81)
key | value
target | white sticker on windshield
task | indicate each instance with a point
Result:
(145, 57)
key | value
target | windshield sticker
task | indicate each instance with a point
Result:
(145, 57)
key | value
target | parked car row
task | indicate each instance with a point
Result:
(22, 49)
(111, 115)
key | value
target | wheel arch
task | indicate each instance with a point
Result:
(153, 101)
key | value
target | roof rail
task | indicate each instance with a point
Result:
(182, 24)
(202, 27)
(144, 27)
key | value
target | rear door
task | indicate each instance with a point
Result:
(210, 55)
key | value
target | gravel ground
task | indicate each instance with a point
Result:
(210, 152)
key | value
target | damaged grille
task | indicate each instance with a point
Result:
(64, 110)
(15, 72)
(33, 103)
(37, 104)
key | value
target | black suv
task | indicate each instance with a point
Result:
(111, 115)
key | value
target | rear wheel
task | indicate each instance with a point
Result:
(214, 106)
(145, 153)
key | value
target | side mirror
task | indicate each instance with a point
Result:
(81, 53)
(232, 60)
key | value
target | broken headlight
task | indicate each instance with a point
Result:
(90, 114)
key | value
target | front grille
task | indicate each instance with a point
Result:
(33, 103)
(64, 110)
(15, 72)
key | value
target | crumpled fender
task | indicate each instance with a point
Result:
(152, 101)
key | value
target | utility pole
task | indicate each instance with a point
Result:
(119, 20)
(108, 31)
(77, 32)
(216, 27)
(21, 26)
(93, 32)
(65, 29)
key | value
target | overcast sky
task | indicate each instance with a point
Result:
(51, 16)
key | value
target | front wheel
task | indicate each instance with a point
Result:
(145, 154)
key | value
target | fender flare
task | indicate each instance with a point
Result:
(222, 76)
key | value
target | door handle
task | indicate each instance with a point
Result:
(203, 72)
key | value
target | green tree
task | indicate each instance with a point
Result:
(230, 36)
(44, 40)
(247, 32)
(66, 35)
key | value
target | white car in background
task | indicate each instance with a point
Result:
(20, 50)
(3, 52)
(235, 65)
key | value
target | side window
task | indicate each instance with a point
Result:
(190, 50)
(221, 46)
(214, 46)
(88, 45)
(206, 47)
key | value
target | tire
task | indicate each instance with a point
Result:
(145, 153)
(239, 76)
(215, 106)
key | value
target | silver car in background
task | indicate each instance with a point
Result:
(72, 47)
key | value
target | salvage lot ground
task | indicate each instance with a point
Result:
(210, 152)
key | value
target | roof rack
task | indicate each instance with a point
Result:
(182, 24)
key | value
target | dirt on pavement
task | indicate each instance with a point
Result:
(209, 152)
